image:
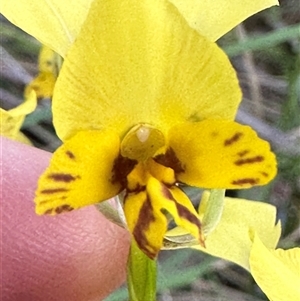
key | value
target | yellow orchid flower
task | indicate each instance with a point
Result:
(12, 120)
(147, 106)
(277, 272)
(49, 65)
(57, 23)
(230, 239)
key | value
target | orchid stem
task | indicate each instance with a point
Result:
(141, 275)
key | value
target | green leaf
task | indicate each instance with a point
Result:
(265, 41)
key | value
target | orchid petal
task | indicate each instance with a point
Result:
(54, 23)
(221, 154)
(147, 224)
(139, 62)
(81, 173)
(215, 18)
(277, 272)
(177, 204)
(146, 211)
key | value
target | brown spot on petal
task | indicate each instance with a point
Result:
(54, 190)
(62, 177)
(169, 159)
(121, 169)
(243, 153)
(63, 208)
(241, 182)
(249, 160)
(50, 200)
(236, 137)
(265, 174)
(49, 211)
(70, 155)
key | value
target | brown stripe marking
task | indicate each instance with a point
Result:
(236, 137)
(145, 218)
(249, 160)
(50, 200)
(48, 211)
(70, 155)
(186, 214)
(54, 190)
(243, 153)
(240, 182)
(62, 177)
(183, 212)
(265, 174)
(63, 208)
(166, 193)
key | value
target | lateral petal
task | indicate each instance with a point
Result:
(215, 18)
(277, 272)
(221, 154)
(139, 69)
(81, 173)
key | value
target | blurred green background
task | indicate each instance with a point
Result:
(265, 51)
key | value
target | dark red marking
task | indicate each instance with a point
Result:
(166, 193)
(236, 137)
(265, 174)
(62, 177)
(251, 181)
(70, 155)
(249, 160)
(183, 212)
(145, 218)
(44, 202)
(63, 208)
(169, 159)
(243, 153)
(54, 190)
(186, 214)
(48, 201)
(121, 169)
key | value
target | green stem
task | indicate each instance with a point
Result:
(213, 210)
(141, 275)
(266, 41)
